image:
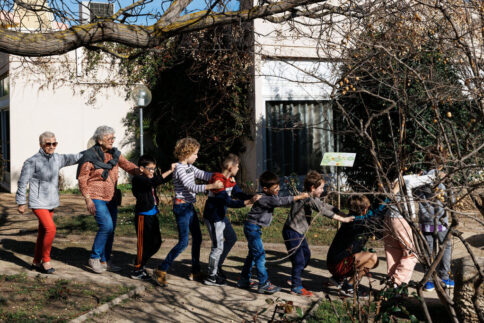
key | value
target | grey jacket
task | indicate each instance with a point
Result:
(261, 211)
(41, 173)
(300, 216)
(430, 207)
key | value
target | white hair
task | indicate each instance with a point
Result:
(102, 131)
(45, 135)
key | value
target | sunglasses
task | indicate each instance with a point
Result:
(150, 169)
(50, 144)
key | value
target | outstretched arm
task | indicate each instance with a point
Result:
(301, 196)
(192, 186)
(277, 201)
(70, 159)
(169, 172)
(330, 211)
(128, 166)
(200, 174)
(239, 194)
(224, 198)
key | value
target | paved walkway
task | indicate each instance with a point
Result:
(182, 300)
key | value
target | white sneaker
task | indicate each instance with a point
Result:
(96, 266)
(110, 267)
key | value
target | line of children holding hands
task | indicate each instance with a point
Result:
(344, 256)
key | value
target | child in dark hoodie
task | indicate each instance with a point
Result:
(146, 213)
(346, 255)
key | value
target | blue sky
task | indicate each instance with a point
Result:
(152, 8)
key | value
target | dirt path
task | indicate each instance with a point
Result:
(182, 300)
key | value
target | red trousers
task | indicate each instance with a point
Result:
(45, 236)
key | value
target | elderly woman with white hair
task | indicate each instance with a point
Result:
(98, 175)
(41, 174)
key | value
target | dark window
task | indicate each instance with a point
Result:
(4, 86)
(100, 10)
(5, 140)
(298, 133)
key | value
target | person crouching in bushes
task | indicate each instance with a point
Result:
(297, 224)
(186, 150)
(146, 213)
(346, 259)
(219, 227)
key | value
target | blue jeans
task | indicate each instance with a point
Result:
(297, 247)
(106, 216)
(256, 255)
(443, 268)
(186, 221)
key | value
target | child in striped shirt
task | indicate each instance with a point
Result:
(186, 150)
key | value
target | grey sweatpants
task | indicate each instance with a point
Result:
(443, 269)
(223, 239)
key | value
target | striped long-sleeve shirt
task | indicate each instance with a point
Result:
(184, 182)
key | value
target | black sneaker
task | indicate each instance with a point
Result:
(348, 290)
(221, 280)
(221, 274)
(337, 283)
(140, 275)
(214, 280)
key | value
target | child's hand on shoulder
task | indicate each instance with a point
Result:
(341, 217)
(232, 179)
(172, 168)
(255, 198)
(301, 196)
(348, 219)
(215, 186)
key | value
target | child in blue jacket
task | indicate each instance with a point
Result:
(219, 227)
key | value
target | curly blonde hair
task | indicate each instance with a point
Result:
(185, 147)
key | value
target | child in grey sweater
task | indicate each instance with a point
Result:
(261, 216)
(297, 224)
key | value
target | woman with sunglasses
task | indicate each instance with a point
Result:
(41, 174)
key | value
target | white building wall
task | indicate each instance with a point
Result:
(286, 60)
(63, 105)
